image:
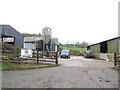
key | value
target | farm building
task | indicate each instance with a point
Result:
(37, 43)
(54, 43)
(105, 49)
(11, 36)
(31, 42)
(49, 43)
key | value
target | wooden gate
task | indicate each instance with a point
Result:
(44, 56)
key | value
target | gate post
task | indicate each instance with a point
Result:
(115, 59)
(37, 56)
(56, 57)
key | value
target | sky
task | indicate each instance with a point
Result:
(91, 21)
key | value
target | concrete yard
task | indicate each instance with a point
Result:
(76, 72)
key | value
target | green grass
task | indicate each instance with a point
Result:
(116, 67)
(74, 48)
(14, 65)
(11, 66)
(8, 65)
(21, 65)
(0, 64)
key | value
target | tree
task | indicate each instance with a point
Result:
(77, 44)
(84, 44)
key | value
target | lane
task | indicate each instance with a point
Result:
(80, 61)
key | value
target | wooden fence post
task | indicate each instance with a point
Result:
(56, 57)
(115, 59)
(37, 56)
(118, 59)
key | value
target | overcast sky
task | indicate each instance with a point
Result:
(70, 20)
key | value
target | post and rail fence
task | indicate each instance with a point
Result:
(12, 54)
(43, 57)
(116, 59)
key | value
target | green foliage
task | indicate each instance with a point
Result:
(73, 48)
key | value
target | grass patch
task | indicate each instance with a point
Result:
(116, 67)
(11, 66)
(0, 64)
(72, 48)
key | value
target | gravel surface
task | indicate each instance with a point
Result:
(76, 72)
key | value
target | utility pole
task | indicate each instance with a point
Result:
(119, 27)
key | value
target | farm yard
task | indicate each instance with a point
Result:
(50, 44)
(76, 72)
(25, 61)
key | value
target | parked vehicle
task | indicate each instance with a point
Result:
(88, 54)
(65, 54)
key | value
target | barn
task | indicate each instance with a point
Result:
(105, 49)
(31, 43)
(11, 36)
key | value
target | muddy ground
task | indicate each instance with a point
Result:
(76, 72)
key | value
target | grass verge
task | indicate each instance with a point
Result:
(116, 67)
(11, 66)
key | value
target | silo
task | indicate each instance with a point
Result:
(54, 44)
(47, 34)
(55, 40)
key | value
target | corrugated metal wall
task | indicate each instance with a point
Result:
(112, 46)
(0, 29)
(119, 45)
(95, 48)
(29, 45)
(10, 31)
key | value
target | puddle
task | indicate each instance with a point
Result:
(79, 58)
(76, 58)
(73, 64)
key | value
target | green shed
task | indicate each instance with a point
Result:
(108, 46)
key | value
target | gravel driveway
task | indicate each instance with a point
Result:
(76, 72)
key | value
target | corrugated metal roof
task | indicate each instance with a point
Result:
(32, 39)
(103, 41)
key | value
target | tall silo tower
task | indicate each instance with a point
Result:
(54, 43)
(47, 35)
